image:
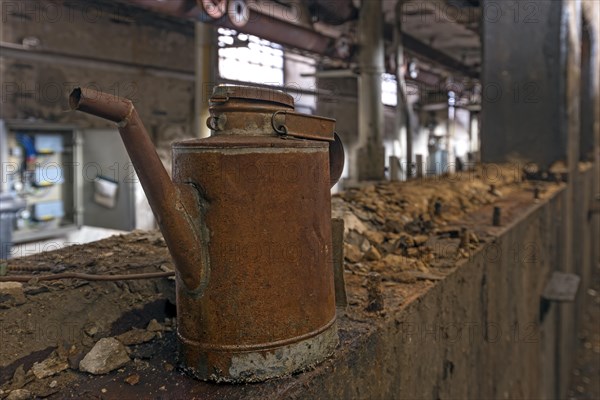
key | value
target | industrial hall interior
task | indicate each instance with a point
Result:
(300, 199)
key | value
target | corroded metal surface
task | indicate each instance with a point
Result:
(270, 307)
(250, 209)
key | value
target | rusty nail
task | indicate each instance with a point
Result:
(464, 237)
(496, 216)
(437, 206)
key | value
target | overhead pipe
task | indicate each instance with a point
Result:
(175, 8)
(259, 24)
(281, 32)
(293, 35)
(333, 12)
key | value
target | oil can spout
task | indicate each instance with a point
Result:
(172, 204)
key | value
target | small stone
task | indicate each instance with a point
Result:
(473, 238)
(352, 253)
(365, 246)
(53, 384)
(11, 294)
(420, 239)
(74, 357)
(133, 379)
(141, 365)
(354, 238)
(136, 336)
(374, 237)
(163, 388)
(19, 378)
(352, 223)
(19, 394)
(50, 366)
(103, 390)
(406, 240)
(155, 326)
(412, 252)
(107, 355)
(373, 254)
(405, 277)
(34, 290)
(92, 330)
(396, 262)
(168, 367)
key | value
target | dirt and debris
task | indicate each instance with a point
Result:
(400, 240)
(406, 231)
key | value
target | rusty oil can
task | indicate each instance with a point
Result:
(247, 219)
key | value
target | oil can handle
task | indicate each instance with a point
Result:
(305, 126)
(337, 159)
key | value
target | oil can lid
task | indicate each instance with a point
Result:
(222, 93)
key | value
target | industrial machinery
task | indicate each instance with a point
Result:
(56, 178)
(247, 219)
(39, 167)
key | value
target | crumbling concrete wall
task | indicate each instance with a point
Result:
(476, 328)
(478, 334)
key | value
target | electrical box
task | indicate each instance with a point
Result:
(39, 164)
(67, 178)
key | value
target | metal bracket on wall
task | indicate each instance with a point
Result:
(562, 288)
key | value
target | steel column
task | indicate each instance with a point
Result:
(371, 153)
(206, 74)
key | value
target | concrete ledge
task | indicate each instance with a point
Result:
(478, 333)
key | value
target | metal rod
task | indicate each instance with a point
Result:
(86, 277)
(370, 161)
(419, 162)
(496, 216)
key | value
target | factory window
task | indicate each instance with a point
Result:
(248, 58)
(388, 90)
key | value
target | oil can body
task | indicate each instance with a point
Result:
(268, 308)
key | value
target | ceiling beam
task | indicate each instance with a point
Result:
(297, 36)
